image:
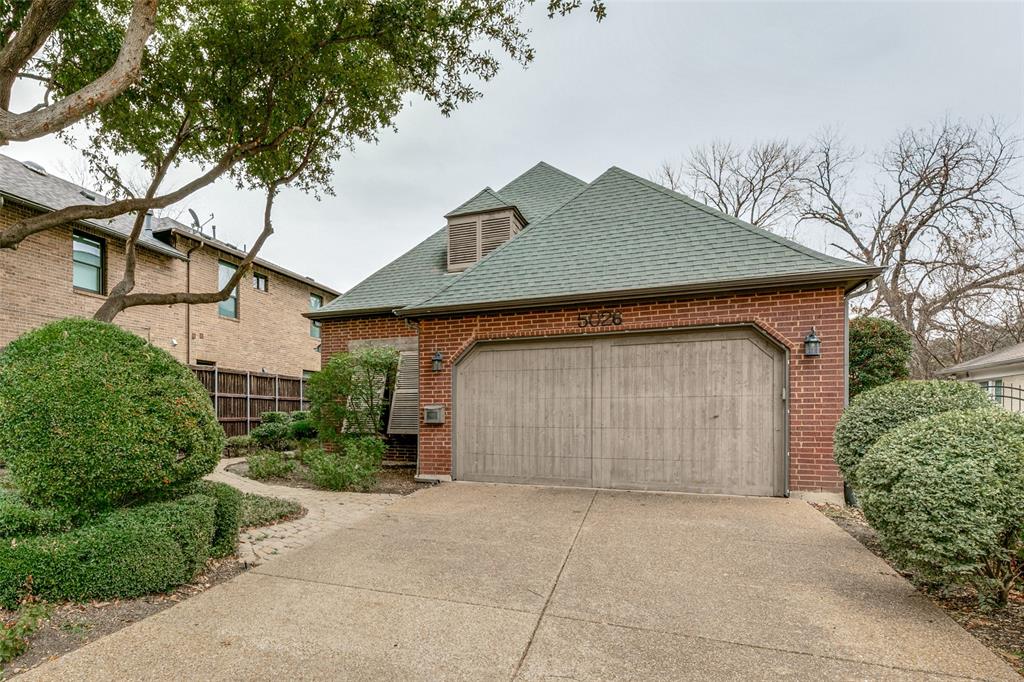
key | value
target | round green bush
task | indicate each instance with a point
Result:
(946, 495)
(271, 435)
(880, 353)
(873, 413)
(302, 429)
(92, 417)
(275, 418)
(125, 553)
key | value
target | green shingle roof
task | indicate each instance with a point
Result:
(621, 234)
(625, 234)
(541, 190)
(424, 269)
(484, 200)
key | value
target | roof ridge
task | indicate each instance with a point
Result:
(689, 201)
(542, 164)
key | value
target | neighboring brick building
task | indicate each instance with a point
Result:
(66, 271)
(611, 334)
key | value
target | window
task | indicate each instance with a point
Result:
(260, 282)
(229, 306)
(88, 256)
(316, 301)
(207, 363)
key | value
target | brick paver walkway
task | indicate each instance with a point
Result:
(326, 511)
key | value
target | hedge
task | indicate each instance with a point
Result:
(93, 418)
(126, 553)
(227, 519)
(873, 413)
(18, 519)
(946, 496)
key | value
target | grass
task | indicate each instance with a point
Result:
(258, 510)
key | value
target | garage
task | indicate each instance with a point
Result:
(699, 411)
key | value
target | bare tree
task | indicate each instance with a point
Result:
(759, 184)
(943, 218)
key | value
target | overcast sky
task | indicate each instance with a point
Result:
(647, 84)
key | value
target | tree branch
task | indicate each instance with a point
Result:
(78, 105)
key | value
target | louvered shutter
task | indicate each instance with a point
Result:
(462, 244)
(494, 232)
(405, 403)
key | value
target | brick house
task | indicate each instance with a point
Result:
(610, 334)
(66, 272)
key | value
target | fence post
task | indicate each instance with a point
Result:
(277, 392)
(216, 392)
(248, 399)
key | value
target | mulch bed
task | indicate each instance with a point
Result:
(393, 480)
(74, 625)
(1001, 631)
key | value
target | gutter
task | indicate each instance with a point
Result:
(855, 277)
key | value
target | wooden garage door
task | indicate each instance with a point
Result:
(699, 411)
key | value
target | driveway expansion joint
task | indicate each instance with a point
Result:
(762, 647)
(554, 586)
(378, 590)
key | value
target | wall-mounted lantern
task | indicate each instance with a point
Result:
(435, 363)
(812, 344)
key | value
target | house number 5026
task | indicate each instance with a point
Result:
(606, 318)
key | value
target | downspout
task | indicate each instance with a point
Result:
(188, 306)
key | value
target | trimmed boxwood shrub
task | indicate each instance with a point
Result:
(880, 353)
(227, 519)
(92, 417)
(275, 418)
(873, 413)
(299, 415)
(125, 553)
(18, 519)
(946, 495)
(272, 436)
(302, 429)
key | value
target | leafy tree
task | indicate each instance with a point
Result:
(347, 395)
(265, 93)
(880, 352)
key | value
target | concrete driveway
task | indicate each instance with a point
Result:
(479, 582)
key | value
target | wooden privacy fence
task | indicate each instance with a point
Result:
(239, 397)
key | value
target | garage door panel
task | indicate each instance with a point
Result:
(697, 412)
(525, 415)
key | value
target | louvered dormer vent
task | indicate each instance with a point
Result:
(471, 237)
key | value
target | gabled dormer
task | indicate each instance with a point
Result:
(479, 226)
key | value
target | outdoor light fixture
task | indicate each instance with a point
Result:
(812, 344)
(436, 361)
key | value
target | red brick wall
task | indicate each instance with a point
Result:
(816, 385)
(336, 334)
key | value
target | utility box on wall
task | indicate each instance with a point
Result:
(433, 414)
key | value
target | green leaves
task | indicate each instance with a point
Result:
(92, 417)
(880, 352)
(283, 84)
(347, 395)
(946, 495)
(882, 409)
